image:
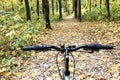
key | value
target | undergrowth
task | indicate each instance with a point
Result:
(16, 32)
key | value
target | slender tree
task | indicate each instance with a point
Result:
(28, 15)
(37, 7)
(60, 9)
(79, 10)
(75, 8)
(53, 7)
(56, 6)
(12, 5)
(100, 4)
(43, 9)
(108, 9)
(66, 7)
(90, 5)
(46, 13)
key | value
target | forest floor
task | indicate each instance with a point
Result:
(102, 65)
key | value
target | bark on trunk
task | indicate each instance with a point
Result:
(60, 10)
(28, 15)
(108, 9)
(37, 7)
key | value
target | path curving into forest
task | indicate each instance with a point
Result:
(103, 65)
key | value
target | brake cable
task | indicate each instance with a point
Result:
(59, 68)
(58, 65)
(74, 65)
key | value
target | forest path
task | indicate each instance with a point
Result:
(101, 65)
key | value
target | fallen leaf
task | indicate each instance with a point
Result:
(18, 74)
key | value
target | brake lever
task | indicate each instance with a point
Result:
(37, 51)
(91, 51)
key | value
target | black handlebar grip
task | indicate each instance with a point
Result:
(30, 48)
(108, 47)
(94, 46)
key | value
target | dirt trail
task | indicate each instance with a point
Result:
(96, 66)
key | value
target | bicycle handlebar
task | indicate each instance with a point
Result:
(92, 46)
(97, 46)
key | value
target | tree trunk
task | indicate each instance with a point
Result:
(46, 13)
(12, 5)
(28, 15)
(53, 7)
(60, 10)
(37, 7)
(100, 4)
(56, 6)
(43, 8)
(108, 9)
(75, 8)
(90, 5)
(66, 7)
(72, 6)
(79, 10)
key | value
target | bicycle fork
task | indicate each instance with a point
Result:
(66, 75)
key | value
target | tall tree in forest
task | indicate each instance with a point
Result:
(12, 4)
(100, 4)
(79, 10)
(53, 7)
(46, 13)
(56, 6)
(43, 11)
(28, 15)
(37, 7)
(72, 6)
(60, 9)
(108, 9)
(90, 5)
(75, 8)
(66, 7)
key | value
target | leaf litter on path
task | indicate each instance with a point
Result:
(103, 65)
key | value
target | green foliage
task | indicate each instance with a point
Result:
(94, 14)
(54, 17)
(97, 14)
(15, 32)
(7, 63)
(115, 11)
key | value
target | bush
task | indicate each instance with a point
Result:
(15, 32)
(115, 12)
(100, 14)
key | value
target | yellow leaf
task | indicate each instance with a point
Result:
(60, 60)
(18, 74)
(32, 75)
(83, 76)
(52, 67)
(92, 62)
(71, 69)
(6, 74)
(2, 70)
(55, 75)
